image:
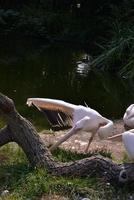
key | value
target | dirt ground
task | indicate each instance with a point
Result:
(79, 142)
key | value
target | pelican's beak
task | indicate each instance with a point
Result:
(116, 138)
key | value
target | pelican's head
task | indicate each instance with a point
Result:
(106, 130)
(128, 117)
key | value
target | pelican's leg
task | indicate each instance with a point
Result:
(73, 131)
(89, 142)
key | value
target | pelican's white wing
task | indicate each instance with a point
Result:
(52, 104)
(59, 113)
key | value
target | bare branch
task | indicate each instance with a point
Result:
(6, 104)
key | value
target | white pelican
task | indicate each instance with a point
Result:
(81, 118)
(128, 140)
(128, 117)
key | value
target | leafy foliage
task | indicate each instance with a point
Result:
(106, 26)
(117, 53)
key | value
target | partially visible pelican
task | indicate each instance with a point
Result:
(128, 117)
(128, 139)
(79, 117)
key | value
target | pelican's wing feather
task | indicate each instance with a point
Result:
(59, 113)
(52, 104)
(58, 120)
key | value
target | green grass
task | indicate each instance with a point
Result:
(66, 156)
(24, 182)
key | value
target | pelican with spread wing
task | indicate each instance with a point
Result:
(80, 118)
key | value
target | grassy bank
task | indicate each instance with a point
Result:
(24, 182)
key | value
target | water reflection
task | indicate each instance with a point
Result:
(83, 65)
(31, 69)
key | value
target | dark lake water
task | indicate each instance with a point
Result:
(33, 69)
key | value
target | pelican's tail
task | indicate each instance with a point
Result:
(107, 130)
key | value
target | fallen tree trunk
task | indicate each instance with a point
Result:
(22, 132)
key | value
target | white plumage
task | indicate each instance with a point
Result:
(128, 117)
(81, 118)
(128, 140)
